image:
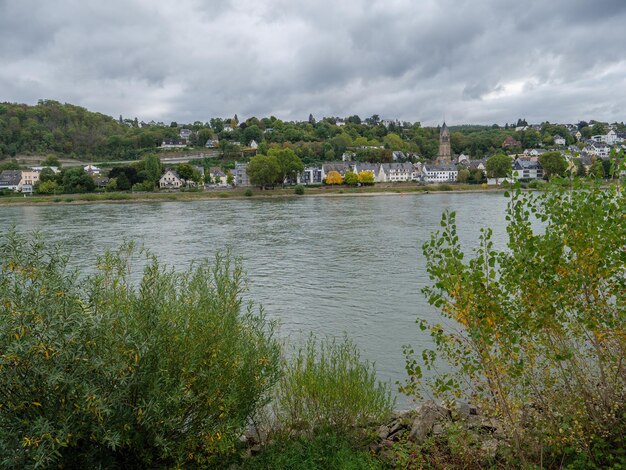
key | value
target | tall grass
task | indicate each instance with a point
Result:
(326, 385)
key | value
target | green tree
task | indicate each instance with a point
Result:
(499, 166)
(153, 168)
(553, 164)
(463, 176)
(264, 171)
(76, 180)
(122, 182)
(185, 171)
(251, 133)
(351, 179)
(51, 161)
(536, 336)
(47, 174)
(394, 142)
(289, 163)
(47, 187)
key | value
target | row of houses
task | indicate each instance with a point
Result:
(24, 180)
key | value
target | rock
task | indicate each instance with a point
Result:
(427, 415)
(383, 432)
(395, 428)
(438, 429)
(489, 448)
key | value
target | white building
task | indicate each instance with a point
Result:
(558, 140)
(527, 169)
(171, 180)
(440, 174)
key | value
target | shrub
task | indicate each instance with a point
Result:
(299, 189)
(100, 371)
(540, 342)
(247, 192)
(326, 385)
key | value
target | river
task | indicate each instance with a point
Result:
(331, 265)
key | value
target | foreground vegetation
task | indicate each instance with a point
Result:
(541, 338)
(156, 368)
(133, 370)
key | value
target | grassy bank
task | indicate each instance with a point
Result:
(237, 193)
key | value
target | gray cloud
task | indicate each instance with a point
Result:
(470, 61)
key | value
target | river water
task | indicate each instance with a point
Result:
(331, 265)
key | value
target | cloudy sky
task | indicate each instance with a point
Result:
(474, 61)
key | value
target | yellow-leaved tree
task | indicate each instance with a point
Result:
(334, 177)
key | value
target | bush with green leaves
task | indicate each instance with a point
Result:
(326, 385)
(536, 334)
(299, 189)
(104, 371)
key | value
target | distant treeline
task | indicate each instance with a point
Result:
(67, 130)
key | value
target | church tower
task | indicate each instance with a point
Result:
(445, 154)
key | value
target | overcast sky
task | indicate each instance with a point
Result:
(474, 61)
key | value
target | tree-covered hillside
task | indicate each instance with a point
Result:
(67, 130)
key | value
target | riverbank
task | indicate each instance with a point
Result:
(240, 193)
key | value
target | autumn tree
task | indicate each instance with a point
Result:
(334, 177)
(535, 333)
(366, 177)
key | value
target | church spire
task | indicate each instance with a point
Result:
(445, 153)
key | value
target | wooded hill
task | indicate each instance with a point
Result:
(72, 131)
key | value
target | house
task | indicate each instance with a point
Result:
(347, 156)
(440, 174)
(311, 175)
(173, 144)
(92, 170)
(397, 155)
(511, 142)
(171, 180)
(601, 150)
(463, 159)
(228, 128)
(29, 178)
(340, 123)
(185, 134)
(611, 137)
(254, 144)
(240, 175)
(399, 171)
(10, 179)
(212, 143)
(218, 177)
(558, 140)
(578, 135)
(534, 152)
(375, 168)
(341, 167)
(527, 169)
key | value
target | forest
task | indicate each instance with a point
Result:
(65, 130)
